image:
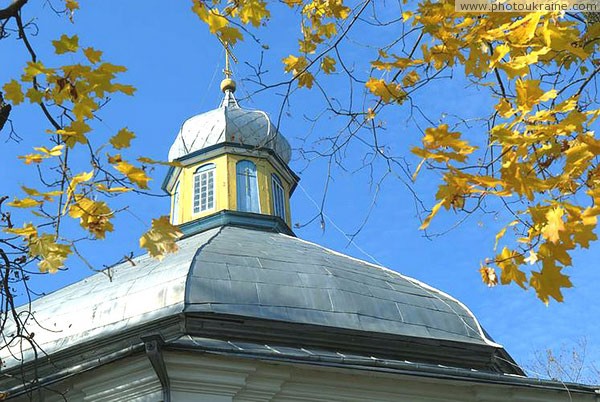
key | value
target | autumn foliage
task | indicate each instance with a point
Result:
(539, 156)
(79, 91)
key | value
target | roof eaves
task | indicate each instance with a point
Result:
(370, 363)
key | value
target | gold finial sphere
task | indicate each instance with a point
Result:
(228, 85)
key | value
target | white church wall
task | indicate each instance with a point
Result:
(247, 380)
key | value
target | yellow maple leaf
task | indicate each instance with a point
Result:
(102, 187)
(92, 54)
(387, 92)
(94, 216)
(499, 236)
(126, 89)
(337, 9)
(328, 65)
(51, 253)
(523, 30)
(505, 108)
(24, 203)
(109, 68)
(216, 22)
(27, 231)
(530, 94)
(34, 95)
(508, 261)
(410, 79)
(84, 108)
(76, 181)
(328, 30)
(72, 5)
(297, 66)
(488, 275)
(75, 133)
(33, 69)
(81, 178)
(513, 69)
(560, 39)
(442, 145)
(66, 44)
(122, 139)
(253, 11)
(305, 79)
(294, 64)
(32, 158)
(308, 45)
(554, 225)
(578, 159)
(430, 216)
(398, 63)
(549, 253)
(499, 52)
(161, 238)
(584, 234)
(55, 151)
(13, 92)
(549, 282)
(521, 63)
(150, 161)
(134, 174)
(230, 35)
(212, 17)
(48, 196)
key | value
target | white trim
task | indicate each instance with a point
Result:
(175, 204)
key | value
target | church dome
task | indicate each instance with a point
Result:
(229, 124)
(238, 283)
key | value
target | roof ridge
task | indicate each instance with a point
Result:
(193, 263)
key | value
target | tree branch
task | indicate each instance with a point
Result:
(12, 10)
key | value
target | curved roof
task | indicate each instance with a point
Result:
(233, 271)
(229, 123)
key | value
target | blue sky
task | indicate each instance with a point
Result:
(176, 66)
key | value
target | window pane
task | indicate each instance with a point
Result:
(247, 187)
(204, 188)
(278, 197)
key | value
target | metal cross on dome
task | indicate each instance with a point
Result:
(228, 54)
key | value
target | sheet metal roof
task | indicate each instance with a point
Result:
(229, 123)
(255, 274)
(274, 276)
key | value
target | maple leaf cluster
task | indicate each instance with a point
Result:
(79, 90)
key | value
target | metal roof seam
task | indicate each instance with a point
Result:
(193, 262)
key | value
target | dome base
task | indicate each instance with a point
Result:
(267, 223)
